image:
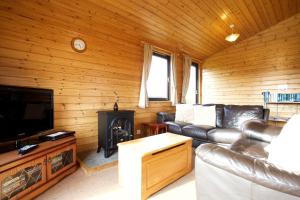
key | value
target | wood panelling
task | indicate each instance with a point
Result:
(239, 74)
(36, 52)
(198, 26)
(35, 49)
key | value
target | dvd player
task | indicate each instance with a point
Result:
(57, 135)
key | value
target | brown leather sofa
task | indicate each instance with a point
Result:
(229, 119)
(241, 172)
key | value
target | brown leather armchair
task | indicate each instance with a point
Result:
(241, 171)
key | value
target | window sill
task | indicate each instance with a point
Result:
(160, 101)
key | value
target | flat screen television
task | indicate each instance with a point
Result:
(24, 112)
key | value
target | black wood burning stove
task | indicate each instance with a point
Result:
(114, 127)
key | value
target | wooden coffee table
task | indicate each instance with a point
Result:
(148, 164)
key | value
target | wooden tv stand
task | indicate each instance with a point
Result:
(27, 176)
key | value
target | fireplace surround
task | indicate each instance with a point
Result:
(114, 127)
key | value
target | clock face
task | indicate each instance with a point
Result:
(78, 45)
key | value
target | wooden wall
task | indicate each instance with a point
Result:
(35, 51)
(240, 73)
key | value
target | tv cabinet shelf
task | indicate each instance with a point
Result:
(26, 176)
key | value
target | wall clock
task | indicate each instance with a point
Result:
(78, 45)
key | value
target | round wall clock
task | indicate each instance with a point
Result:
(78, 45)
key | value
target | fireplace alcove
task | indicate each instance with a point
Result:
(114, 127)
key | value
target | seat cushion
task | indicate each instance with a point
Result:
(235, 116)
(224, 135)
(197, 131)
(250, 147)
(175, 127)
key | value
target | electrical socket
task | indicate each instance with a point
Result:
(138, 132)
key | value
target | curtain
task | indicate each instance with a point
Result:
(173, 91)
(187, 62)
(148, 50)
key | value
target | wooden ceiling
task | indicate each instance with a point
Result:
(194, 26)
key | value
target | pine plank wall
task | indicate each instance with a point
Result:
(240, 73)
(35, 51)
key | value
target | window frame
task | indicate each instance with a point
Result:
(168, 58)
(196, 65)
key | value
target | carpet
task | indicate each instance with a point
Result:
(91, 161)
(103, 185)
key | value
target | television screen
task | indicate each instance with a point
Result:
(24, 112)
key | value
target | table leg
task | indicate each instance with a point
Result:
(165, 129)
(156, 130)
(148, 131)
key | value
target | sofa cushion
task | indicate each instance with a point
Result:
(219, 114)
(250, 147)
(175, 127)
(224, 135)
(205, 115)
(284, 150)
(184, 113)
(196, 131)
(235, 116)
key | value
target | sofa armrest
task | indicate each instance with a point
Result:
(165, 117)
(260, 130)
(252, 169)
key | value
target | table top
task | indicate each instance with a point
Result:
(152, 144)
(155, 124)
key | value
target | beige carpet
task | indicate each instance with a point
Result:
(104, 185)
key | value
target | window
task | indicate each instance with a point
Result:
(158, 80)
(192, 93)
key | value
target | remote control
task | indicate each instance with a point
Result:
(27, 148)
